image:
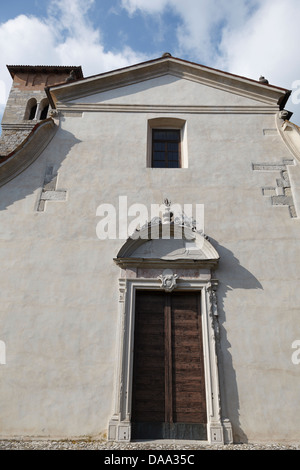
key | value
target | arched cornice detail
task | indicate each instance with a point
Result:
(167, 244)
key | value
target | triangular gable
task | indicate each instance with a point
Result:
(147, 75)
(167, 90)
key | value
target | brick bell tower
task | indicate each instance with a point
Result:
(27, 103)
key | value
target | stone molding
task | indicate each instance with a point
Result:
(49, 191)
(290, 134)
(165, 109)
(267, 94)
(281, 192)
(126, 255)
(219, 431)
(25, 125)
(27, 152)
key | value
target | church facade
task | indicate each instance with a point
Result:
(149, 244)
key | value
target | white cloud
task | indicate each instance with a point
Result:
(266, 44)
(65, 37)
(202, 22)
(3, 92)
(25, 39)
(147, 6)
(245, 37)
(71, 15)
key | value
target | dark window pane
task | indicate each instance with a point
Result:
(159, 156)
(44, 113)
(159, 146)
(32, 112)
(159, 135)
(157, 164)
(165, 135)
(172, 164)
(165, 148)
(173, 147)
(173, 135)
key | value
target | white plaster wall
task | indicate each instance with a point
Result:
(59, 302)
(169, 90)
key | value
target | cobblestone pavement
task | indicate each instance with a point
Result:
(21, 444)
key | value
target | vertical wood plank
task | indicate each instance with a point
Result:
(189, 401)
(168, 361)
(148, 402)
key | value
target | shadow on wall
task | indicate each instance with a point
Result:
(231, 276)
(32, 177)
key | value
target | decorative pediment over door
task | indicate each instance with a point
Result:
(163, 244)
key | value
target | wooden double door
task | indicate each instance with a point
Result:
(168, 391)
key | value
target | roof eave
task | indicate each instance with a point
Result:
(13, 69)
(156, 67)
(284, 99)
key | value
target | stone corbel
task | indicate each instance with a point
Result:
(285, 115)
(168, 280)
(54, 113)
(122, 290)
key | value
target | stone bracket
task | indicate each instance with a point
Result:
(281, 192)
(49, 191)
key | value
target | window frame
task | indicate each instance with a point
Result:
(167, 160)
(167, 123)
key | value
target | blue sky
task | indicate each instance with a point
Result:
(112, 20)
(245, 37)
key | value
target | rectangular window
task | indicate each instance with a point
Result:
(166, 148)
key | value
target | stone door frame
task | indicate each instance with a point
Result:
(218, 431)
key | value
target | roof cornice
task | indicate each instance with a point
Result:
(266, 93)
(14, 69)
